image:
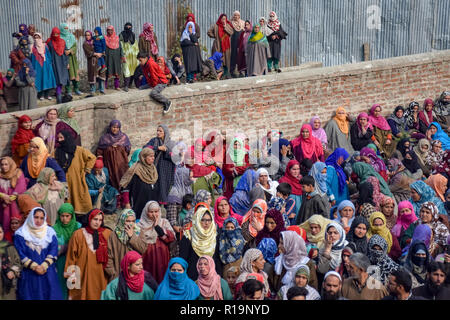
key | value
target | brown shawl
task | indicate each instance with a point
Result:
(147, 173)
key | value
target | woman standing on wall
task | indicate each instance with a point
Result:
(275, 34)
(71, 53)
(130, 49)
(221, 32)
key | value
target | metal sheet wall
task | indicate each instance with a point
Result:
(330, 31)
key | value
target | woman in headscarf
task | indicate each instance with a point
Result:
(25, 80)
(58, 48)
(141, 181)
(132, 282)
(345, 214)
(416, 127)
(358, 234)
(191, 52)
(252, 262)
(275, 34)
(76, 162)
(338, 131)
(412, 167)
(200, 240)
(242, 48)
(417, 263)
(439, 184)
(37, 246)
(41, 60)
(21, 140)
(212, 68)
(427, 114)
(212, 286)
(126, 236)
(301, 278)
(441, 108)
(11, 268)
(361, 132)
(49, 127)
(369, 156)
(224, 211)
(435, 132)
(377, 196)
(49, 193)
(23, 32)
(130, 48)
(419, 232)
(315, 230)
(114, 57)
(177, 285)
(265, 188)
(253, 222)
(422, 150)
(421, 193)
(65, 225)
(307, 146)
(190, 17)
(398, 123)
(12, 183)
(364, 171)
(382, 132)
(94, 74)
(330, 253)
(292, 177)
(71, 53)
(238, 27)
(87, 258)
(293, 253)
(221, 32)
(378, 226)
(67, 115)
(114, 146)
(319, 173)
(240, 200)
(336, 177)
(269, 249)
(163, 145)
(318, 131)
(377, 253)
(148, 42)
(231, 244)
(389, 208)
(406, 216)
(157, 236)
(365, 202)
(176, 67)
(38, 159)
(103, 195)
(236, 164)
(273, 226)
(257, 53)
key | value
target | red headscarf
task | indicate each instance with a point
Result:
(218, 219)
(310, 146)
(99, 163)
(427, 116)
(22, 135)
(164, 69)
(100, 243)
(300, 231)
(209, 285)
(190, 15)
(293, 182)
(112, 41)
(224, 37)
(58, 43)
(136, 282)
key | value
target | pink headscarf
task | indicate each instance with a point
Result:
(310, 146)
(366, 116)
(404, 220)
(319, 133)
(149, 36)
(112, 42)
(209, 285)
(427, 116)
(220, 220)
(377, 196)
(379, 122)
(135, 283)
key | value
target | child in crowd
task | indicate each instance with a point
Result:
(100, 47)
(311, 201)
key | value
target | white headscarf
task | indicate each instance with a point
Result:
(338, 245)
(273, 184)
(147, 226)
(38, 237)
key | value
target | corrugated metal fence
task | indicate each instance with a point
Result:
(330, 31)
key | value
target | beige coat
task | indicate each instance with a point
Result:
(213, 32)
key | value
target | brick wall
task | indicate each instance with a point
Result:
(279, 101)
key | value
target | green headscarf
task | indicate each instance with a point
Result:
(63, 115)
(237, 155)
(364, 171)
(134, 157)
(258, 37)
(66, 230)
(120, 227)
(68, 36)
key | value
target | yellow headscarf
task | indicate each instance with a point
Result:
(342, 121)
(382, 231)
(203, 241)
(37, 163)
(322, 222)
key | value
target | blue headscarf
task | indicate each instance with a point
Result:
(332, 161)
(277, 145)
(22, 72)
(177, 286)
(186, 34)
(240, 200)
(269, 249)
(319, 177)
(342, 205)
(231, 242)
(441, 136)
(217, 58)
(427, 194)
(99, 31)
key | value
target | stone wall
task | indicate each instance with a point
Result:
(278, 101)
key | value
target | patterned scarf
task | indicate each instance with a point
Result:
(231, 242)
(120, 226)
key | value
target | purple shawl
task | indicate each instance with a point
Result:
(376, 162)
(275, 233)
(319, 133)
(109, 139)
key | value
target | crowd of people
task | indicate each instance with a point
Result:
(37, 67)
(356, 209)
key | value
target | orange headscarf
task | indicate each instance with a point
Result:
(341, 120)
(261, 205)
(13, 174)
(37, 163)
